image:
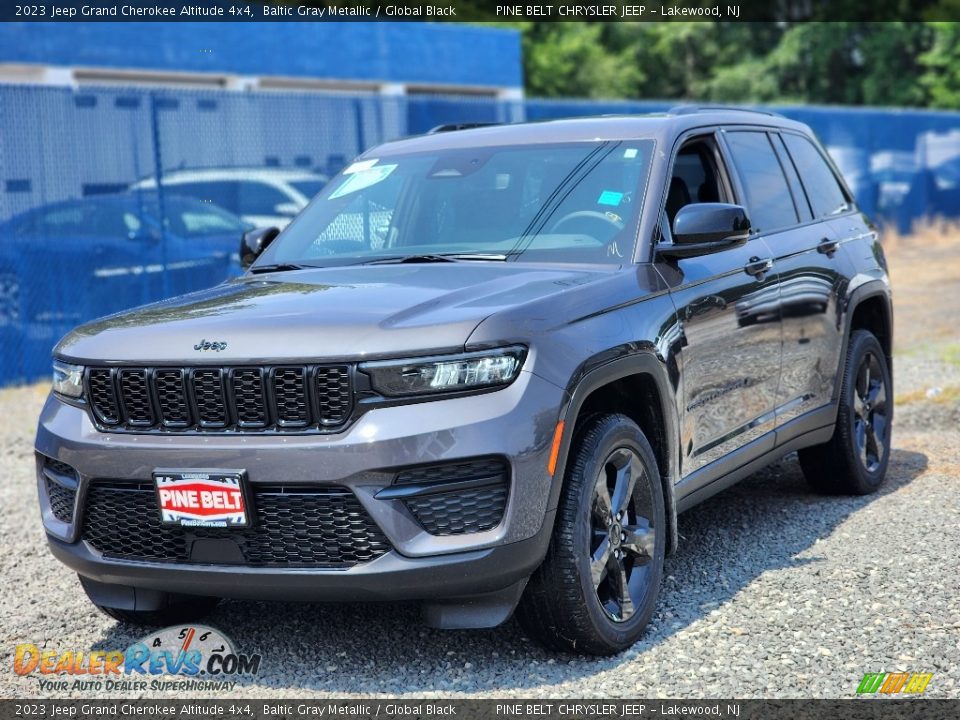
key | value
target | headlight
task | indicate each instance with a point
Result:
(67, 379)
(448, 373)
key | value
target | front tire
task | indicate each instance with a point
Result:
(854, 461)
(598, 585)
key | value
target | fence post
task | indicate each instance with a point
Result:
(161, 206)
(358, 115)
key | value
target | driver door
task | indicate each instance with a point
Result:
(726, 306)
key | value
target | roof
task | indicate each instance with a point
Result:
(659, 126)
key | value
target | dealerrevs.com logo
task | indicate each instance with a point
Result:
(204, 659)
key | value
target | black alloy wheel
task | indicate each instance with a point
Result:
(598, 585)
(854, 461)
(622, 538)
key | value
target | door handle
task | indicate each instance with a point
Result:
(757, 267)
(828, 246)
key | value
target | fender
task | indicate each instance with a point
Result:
(868, 290)
(589, 377)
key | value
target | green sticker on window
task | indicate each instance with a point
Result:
(609, 197)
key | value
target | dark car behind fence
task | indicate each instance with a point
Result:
(76, 242)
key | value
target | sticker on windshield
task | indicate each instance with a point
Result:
(362, 179)
(360, 166)
(630, 153)
(609, 197)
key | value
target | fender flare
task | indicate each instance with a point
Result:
(591, 377)
(867, 291)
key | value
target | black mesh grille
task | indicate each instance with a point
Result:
(208, 391)
(449, 472)
(136, 397)
(172, 398)
(333, 394)
(61, 500)
(248, 398)
(287, 399)
(60, 468)
(319, 527)
(290, 393)
(458, 511)
(61, 495)
(103, 396)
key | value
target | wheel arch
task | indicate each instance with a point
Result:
(637, 386)
(869, 308)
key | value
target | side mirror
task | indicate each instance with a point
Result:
(254, 242)
(704, 228)
(286, 209)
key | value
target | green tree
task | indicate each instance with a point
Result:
(575, 60)
(847, 63)
(941, 63)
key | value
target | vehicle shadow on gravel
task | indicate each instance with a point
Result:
(759, 525)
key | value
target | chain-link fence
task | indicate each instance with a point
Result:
(114, 197)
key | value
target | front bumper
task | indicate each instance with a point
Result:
(515, 423)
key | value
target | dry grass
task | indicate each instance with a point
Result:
(949, 396)
(937, 233)
(925, 274)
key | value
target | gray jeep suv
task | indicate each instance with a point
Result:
(484, 369)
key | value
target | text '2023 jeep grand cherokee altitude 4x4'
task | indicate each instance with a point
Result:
(484, 369)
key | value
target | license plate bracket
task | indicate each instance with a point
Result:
(202, 498)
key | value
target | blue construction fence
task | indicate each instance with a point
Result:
(112, 197)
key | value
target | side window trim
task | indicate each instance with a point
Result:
(794, 182)
(724, 177)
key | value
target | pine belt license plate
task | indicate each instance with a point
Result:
(202, 498)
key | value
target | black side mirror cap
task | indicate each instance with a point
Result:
(704, 228)
(254, 242)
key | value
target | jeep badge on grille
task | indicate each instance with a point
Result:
(208, 345)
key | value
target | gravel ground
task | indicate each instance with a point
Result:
(774, 592)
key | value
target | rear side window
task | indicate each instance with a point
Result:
(768, 198)
(824, 192)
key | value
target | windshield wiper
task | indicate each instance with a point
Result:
(277, 267)
(436, 258)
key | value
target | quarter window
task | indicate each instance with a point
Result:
(824, 192)
(768, 198)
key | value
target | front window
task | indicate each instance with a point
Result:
(574, 202)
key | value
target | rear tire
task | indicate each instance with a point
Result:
(597, 587)
(854, 461)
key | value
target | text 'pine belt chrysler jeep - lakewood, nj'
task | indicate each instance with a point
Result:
(483, 369)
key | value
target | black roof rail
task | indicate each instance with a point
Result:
(693, 109)
(452, 127)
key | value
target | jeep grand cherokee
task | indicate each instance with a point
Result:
(484, 369)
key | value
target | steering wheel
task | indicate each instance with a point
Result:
(608, 218)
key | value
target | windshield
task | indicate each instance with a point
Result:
(573, 202)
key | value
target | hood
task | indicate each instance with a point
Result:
(322, 314)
